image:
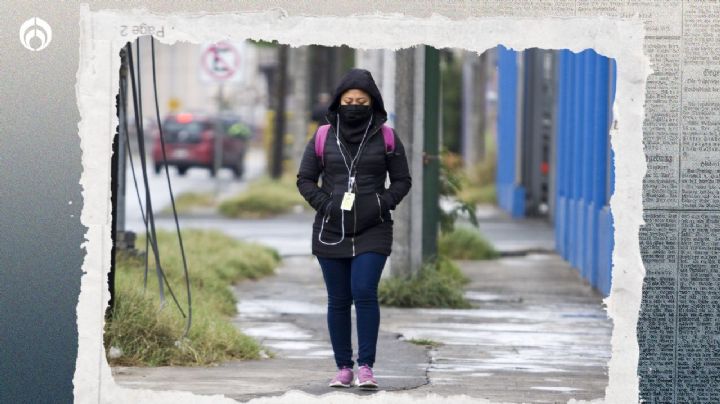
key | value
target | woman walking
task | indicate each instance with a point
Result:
(352, 231)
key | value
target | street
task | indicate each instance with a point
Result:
(289, 234)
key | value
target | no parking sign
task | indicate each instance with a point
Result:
(220, 62)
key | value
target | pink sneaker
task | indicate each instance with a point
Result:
(343, 378)
(366, 379)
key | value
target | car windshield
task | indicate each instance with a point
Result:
(176, 132)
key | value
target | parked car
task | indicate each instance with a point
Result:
(190, 142)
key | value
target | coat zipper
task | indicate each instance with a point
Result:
(352, 239)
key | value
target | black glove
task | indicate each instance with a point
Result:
(383, 205)
(326, 207)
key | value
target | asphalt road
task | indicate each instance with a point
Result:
(195, 180)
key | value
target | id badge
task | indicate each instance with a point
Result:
(347, 201)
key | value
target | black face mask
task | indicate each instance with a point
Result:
(353, 115)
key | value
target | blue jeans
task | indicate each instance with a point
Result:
(348, 281)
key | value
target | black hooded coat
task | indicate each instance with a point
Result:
(368, 225)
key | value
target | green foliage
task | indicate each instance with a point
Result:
(260, 43)
(451, 78)
(148, 335)
(466, 244)
(452, 183)
(264, 198)
(438, 284)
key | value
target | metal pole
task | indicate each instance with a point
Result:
(278, 141)
(218, 138)
(301, 105)
(479, 105)
(121, 150)
(431, 152)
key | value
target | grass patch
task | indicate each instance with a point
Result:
(148, 335)
(189, 201)
(438, 284)
(264, 198)
(424, 342)
(465, 244)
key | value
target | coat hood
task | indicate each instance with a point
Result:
(360, 79)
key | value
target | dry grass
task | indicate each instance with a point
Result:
(466, 244)
(149, 336)
(438, 284)
(264, 198)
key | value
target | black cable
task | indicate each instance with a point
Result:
(148, 202)
(152, 235)
(139, 118)
(172, 197)
(128, 149)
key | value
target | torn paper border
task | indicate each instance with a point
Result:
(97, 84)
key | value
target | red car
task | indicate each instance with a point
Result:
(190, 142)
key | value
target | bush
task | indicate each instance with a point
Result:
(465, 244)
(438, 284)
(264, 198)
(451, 184)
(148, 336)
(188, 201)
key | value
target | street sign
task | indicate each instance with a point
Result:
(220, 62)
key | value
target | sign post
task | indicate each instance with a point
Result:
(219, 63)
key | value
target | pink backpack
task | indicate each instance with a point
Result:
(322, 133)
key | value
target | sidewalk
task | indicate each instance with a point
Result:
(538, 333)
(515, 236)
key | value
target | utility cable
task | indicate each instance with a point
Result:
(172, 197)
(139, 122)
(128, 149)
(148, 202)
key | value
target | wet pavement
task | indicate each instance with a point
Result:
(537, 334)
(286, 313)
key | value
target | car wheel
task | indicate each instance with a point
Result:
(238, 170)
(182, 170)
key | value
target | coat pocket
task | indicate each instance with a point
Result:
(367, 211)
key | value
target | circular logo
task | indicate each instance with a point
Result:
(35, 34)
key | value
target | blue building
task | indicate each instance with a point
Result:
(553, 150)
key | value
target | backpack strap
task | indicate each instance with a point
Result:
(389, 138)
(320, 141)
